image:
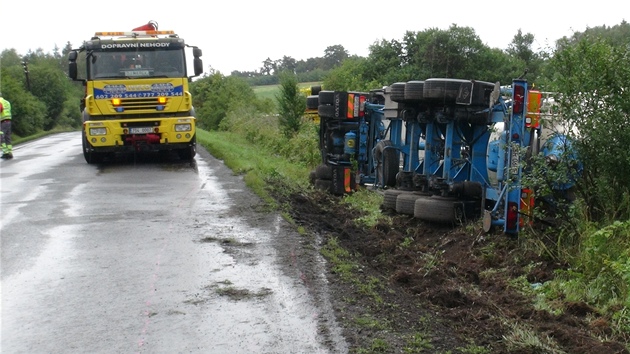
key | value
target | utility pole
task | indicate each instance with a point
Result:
(28, 80)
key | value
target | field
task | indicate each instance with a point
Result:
(270, 91)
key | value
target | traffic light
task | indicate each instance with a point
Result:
(25, 65)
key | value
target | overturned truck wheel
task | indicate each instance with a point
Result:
(388, 163)
(405, 202)
(439, 210)
(389, 198)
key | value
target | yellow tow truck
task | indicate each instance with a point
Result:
(137, 96)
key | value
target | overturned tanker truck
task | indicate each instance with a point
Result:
(442, 150)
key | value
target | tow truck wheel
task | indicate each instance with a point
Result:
(438, 209)
(189, 152)
(90, 156)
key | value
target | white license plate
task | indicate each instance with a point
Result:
(145, 130)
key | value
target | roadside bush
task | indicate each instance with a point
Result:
(594, 81)
(214, 96)
(291, 105)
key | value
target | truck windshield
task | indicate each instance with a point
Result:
(146, 63)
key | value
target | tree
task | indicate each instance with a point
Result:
(268, 67)
(349, 76)
(334, 55)
(291, 104)
(384, 62)
(593, 78)
(288, 64)
(521, 47)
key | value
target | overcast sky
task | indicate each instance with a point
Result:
(240, 35)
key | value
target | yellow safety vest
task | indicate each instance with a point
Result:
(6, 109)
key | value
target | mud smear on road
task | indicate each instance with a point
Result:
(443, 289)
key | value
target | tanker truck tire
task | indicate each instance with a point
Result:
(438, 209)
(324, 185)
(405, 202)
(414, 91)
(398, 92)
(388, 163)
(323, 171)
(389, 198)
(312, 177)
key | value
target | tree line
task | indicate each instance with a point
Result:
(309, 70)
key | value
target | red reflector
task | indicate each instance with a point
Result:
(512, 216)
(519, 99)
(362, 106)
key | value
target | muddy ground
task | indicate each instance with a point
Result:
(423, 288)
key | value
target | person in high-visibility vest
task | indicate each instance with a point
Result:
(5, 126)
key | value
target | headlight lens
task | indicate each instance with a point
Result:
(98, 131)
(183, 127)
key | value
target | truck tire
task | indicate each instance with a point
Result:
(457, 91)
(90, 157)
(414, 91)
(326, 97)
(389, 198)
(405, 202)
(315, 90)
(388, 163)
(442, 90)
(324, 185)
(398, 91)
(438, 209)
(312, 102)
(326, 111)
(189, 152)
(323, 171)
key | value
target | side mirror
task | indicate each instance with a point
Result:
(72, 64)
(196, 52)
(198, 64)
(72, 70)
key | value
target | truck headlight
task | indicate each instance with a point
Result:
(183, 127)
(98, 131)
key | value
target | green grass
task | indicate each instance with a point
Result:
(270, 91)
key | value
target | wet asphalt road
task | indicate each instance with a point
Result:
(146, 256)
